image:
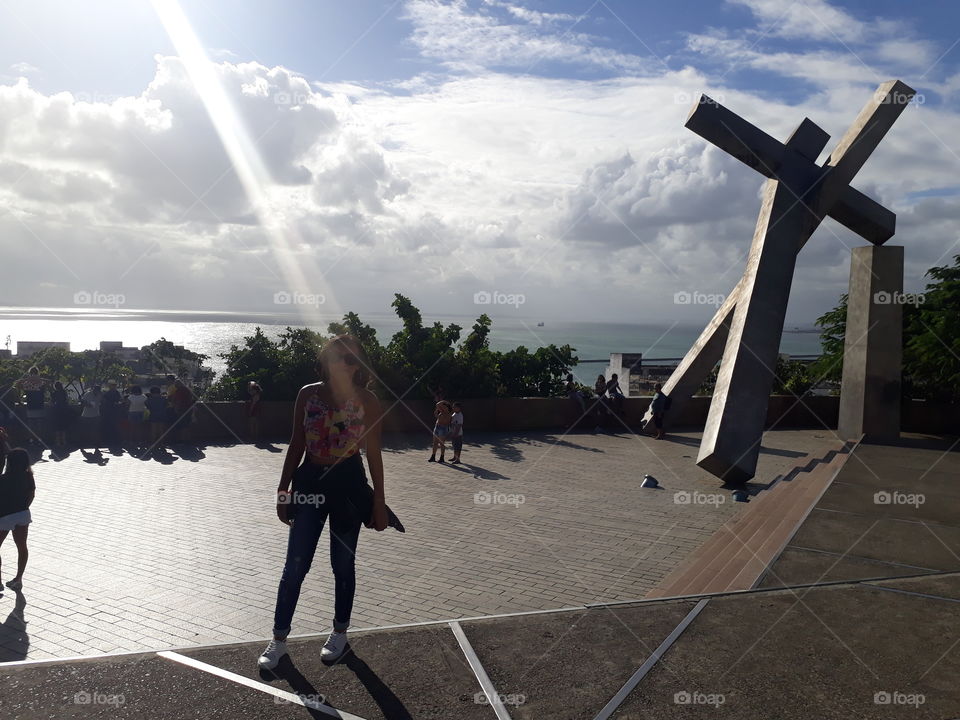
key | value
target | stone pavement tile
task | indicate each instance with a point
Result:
(141, 555)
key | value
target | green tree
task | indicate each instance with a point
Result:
(833, 330)
(932, 337)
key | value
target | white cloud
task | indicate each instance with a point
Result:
(587, 196)
(461, 38)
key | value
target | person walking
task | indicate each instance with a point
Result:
(254, 396)
(443, 415)
(658, 406)
(456, 432)
(17, 490)
(332, 420)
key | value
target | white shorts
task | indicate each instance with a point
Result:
(9, 522)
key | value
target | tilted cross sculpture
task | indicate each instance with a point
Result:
(747, 328)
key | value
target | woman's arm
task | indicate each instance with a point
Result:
(297, 440)
(373, 410)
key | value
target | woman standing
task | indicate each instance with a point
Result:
(332, 420)
(34, 389)
(136, 408)
(17, 490)
(62, 414)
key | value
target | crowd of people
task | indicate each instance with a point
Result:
(102, 416)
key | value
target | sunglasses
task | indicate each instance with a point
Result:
(347, 358)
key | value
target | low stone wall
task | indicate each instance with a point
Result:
(227, 421)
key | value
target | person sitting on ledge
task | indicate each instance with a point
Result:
(615, 393)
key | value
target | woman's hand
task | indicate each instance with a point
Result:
(283, 504)
(378, 519)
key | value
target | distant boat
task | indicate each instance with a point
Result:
(539, 324)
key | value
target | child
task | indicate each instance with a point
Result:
(441, 430)
(17, 490)
(456, 432)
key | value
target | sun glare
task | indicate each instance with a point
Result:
(250, 169)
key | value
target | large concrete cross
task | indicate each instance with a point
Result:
(746, 330)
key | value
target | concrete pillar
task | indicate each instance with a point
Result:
(873, 347)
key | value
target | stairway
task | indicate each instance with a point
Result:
(736, 556)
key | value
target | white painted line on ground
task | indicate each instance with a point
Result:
(913, 592)
(262, 687)
(488, 689)
(635, 679)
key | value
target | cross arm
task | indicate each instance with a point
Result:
(866, 217)
(734, 135)
(866, 132)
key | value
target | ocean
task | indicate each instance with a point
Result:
(213, 333)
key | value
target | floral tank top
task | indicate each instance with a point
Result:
(332, 431)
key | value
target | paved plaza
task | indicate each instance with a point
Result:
(858, 618)
(146, 555)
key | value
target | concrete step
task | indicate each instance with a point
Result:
(735, 556)
(749, 563)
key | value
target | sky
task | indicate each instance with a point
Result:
(514, 157)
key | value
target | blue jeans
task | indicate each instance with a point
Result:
(311, 482)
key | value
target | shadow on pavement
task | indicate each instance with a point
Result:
(14, 640)
(389, 704)
(191, 453)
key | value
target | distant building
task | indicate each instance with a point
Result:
(636, 378)
(124, 354)
(5, 353)
(26, 348)
(627, 367)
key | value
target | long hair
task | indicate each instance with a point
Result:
(18, 463)
(345, 343)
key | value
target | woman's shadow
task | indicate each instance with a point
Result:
(14, 641)
(389, 704)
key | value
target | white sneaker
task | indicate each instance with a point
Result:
(334, 646)
(271, 656)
